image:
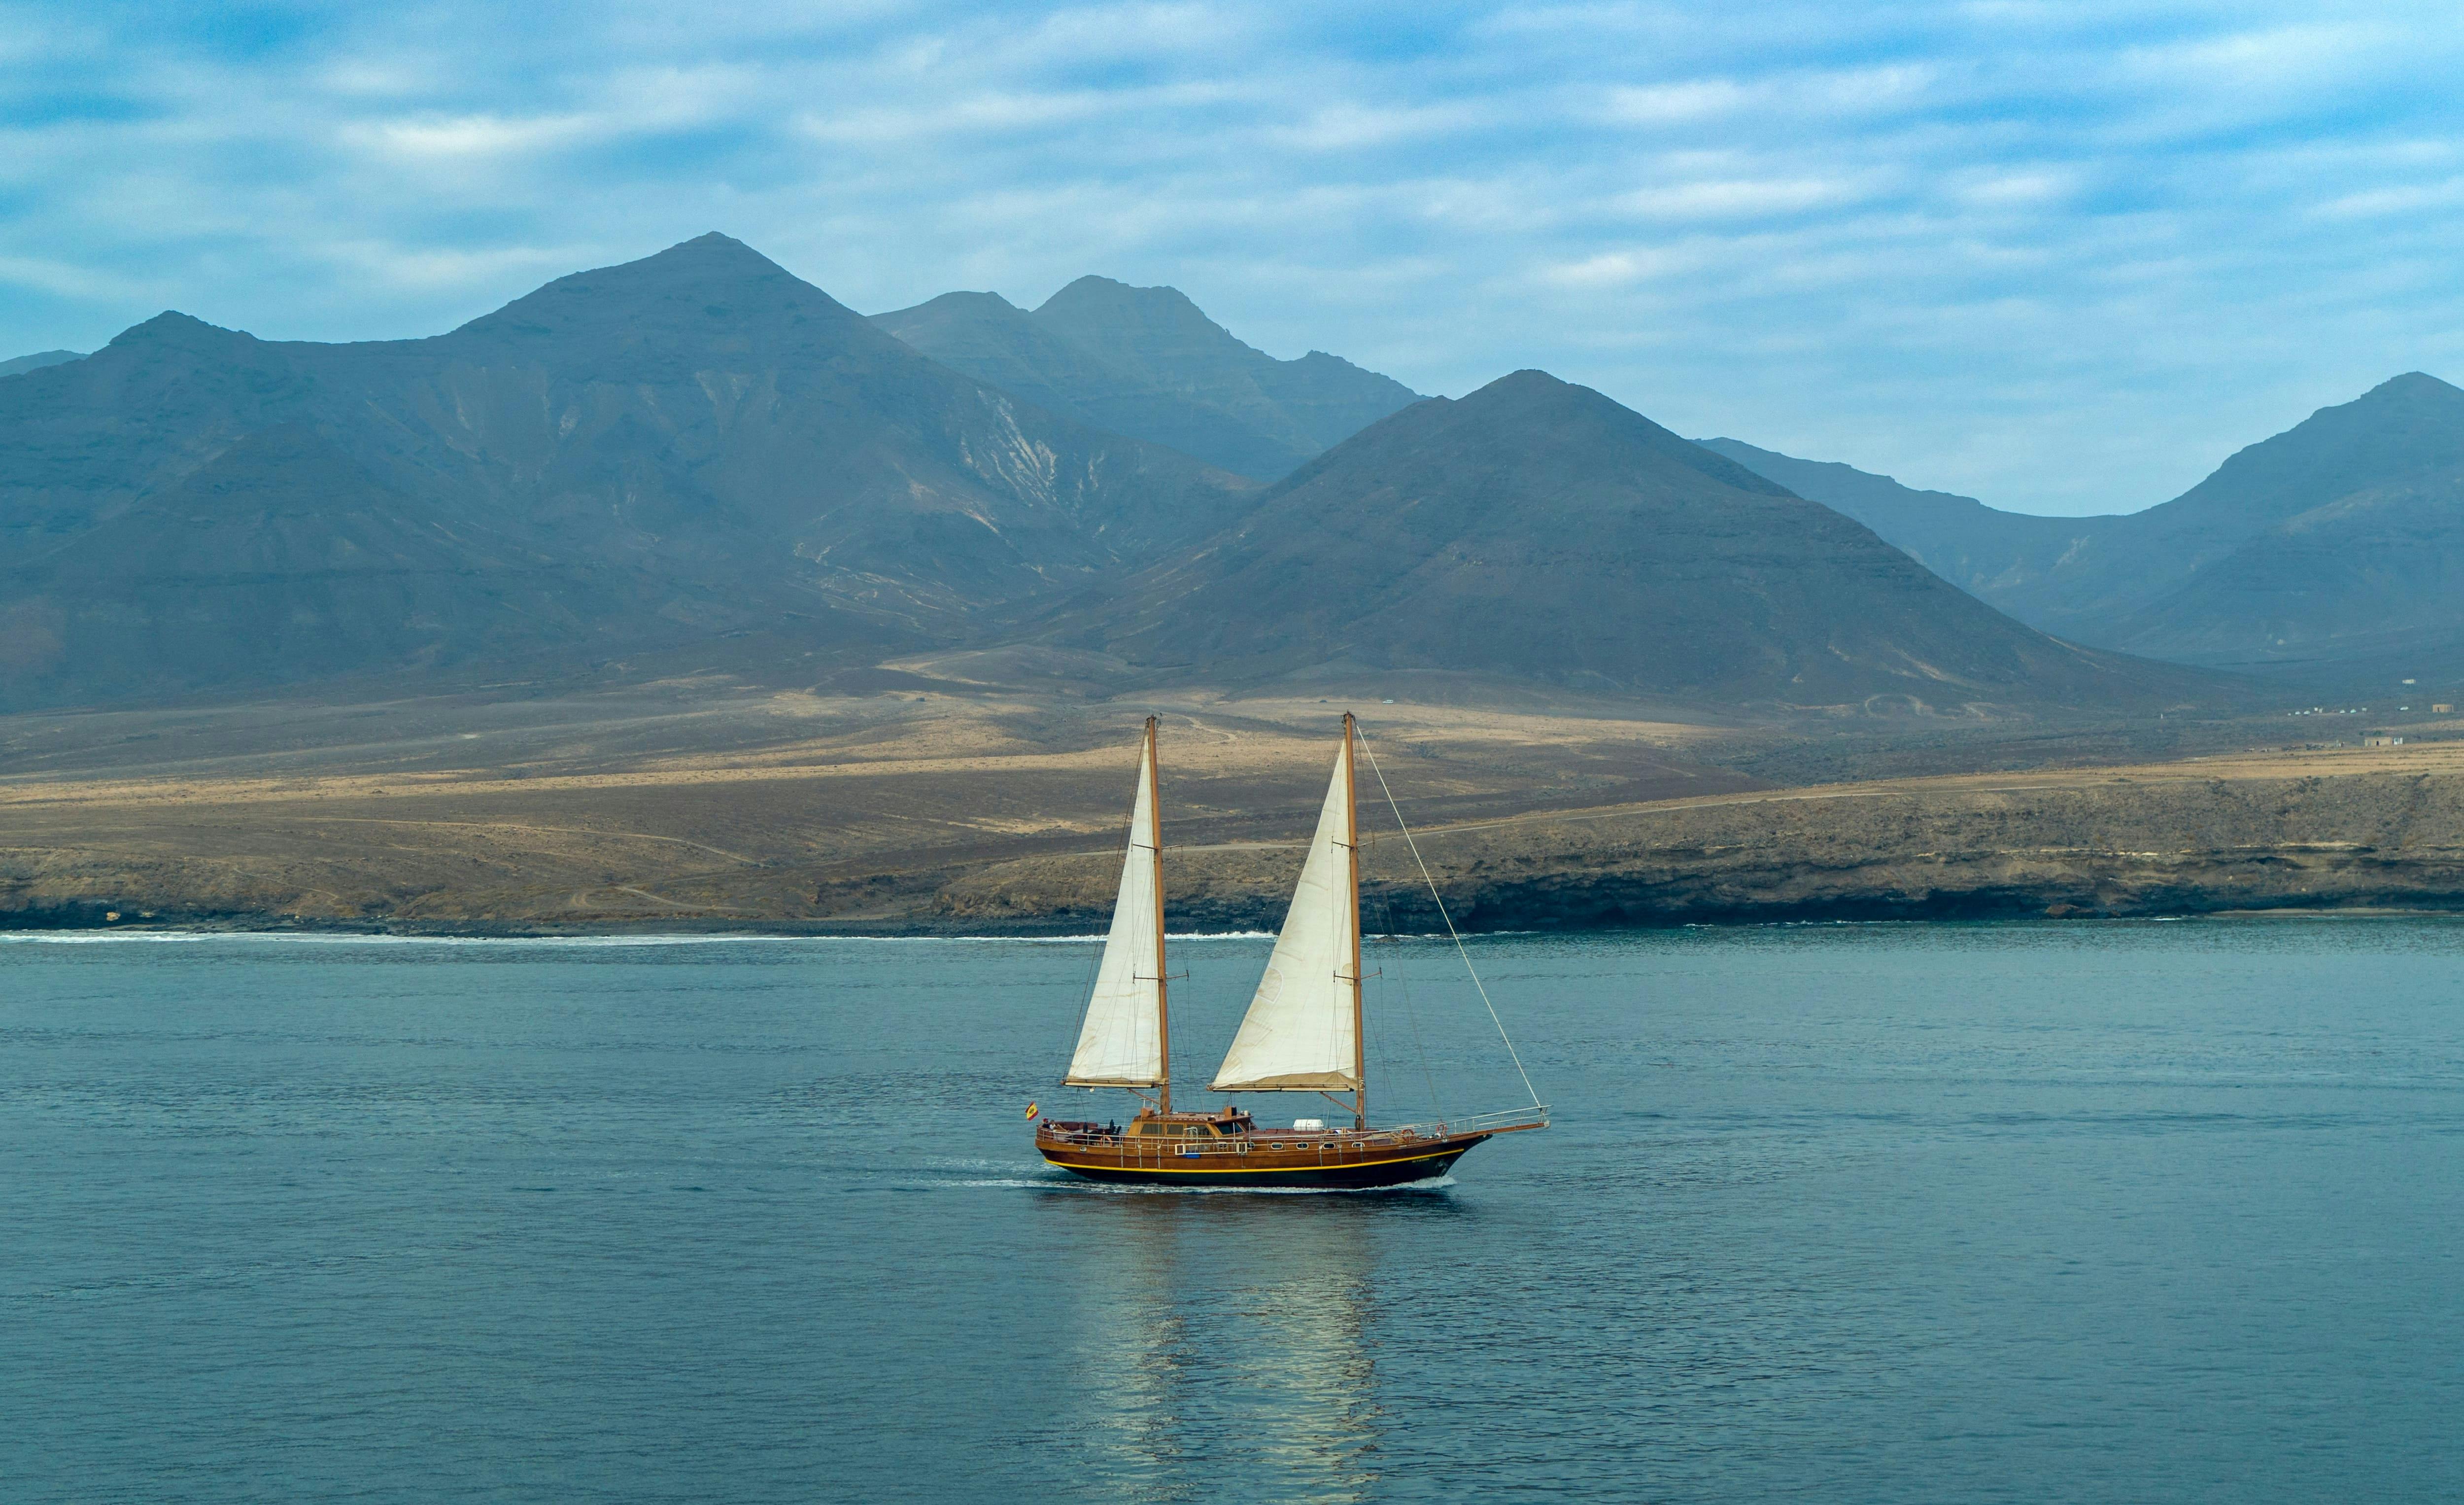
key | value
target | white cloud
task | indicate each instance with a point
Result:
(1350, 126)
(1738, 198)
(2405, 198)
(1620, 268)
(2274, 59)
(2019, 188)
(470, 136)
(1685, 100)
(65, 280)
(1821, 93)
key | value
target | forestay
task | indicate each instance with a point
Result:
(1299, 1033)
(1121, 1044)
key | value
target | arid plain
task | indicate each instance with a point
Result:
(907, 802)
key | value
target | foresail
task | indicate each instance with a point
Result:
(1121, 1044)
(1298, 1034)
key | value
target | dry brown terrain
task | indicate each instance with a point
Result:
(2287, 830)
(708, 803)
(844, 809)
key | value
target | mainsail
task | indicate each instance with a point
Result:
(1122, 1043)
(1303, 1029)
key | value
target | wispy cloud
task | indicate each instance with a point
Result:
(2062, 257)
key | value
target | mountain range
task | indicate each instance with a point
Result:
(687, 444)
(1146, 361)
(2340, 541)
(698, 445)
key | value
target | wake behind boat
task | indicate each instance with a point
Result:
(1304, 1033)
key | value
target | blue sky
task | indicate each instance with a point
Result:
(2064, 257)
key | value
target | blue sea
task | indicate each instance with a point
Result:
(2082, 1212)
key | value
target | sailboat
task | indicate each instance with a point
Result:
(1303, 1033)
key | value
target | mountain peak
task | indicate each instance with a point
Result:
(1098, 307)
(2405, 425)
(704, 257)
(1091, 289)
(713, 250)
(1532, 385)
(174, 329)
(1533, 410)
(2413, 387)
(988, 303)
(712, 285)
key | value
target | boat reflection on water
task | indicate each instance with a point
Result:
(1226, 1336)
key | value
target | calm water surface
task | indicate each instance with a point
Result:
(2099, 1212)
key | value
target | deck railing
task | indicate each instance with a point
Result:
(1536, 1116)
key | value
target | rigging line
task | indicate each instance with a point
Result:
(1411, 1015)
(1459, 948)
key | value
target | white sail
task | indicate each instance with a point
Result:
(1121, 1044)
(1298, 1034)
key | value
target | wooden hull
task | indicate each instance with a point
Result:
(1331, 1167)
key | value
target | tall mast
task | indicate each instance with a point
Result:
(1351, 845)
(1155, 850)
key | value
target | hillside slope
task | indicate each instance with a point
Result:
(2338, 540)
(1984, 551)
(37, 361)
(1535, 528)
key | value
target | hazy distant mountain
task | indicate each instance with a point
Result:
(1983, 551)
(1144, 361)
(39, 360)
(1537, 529)
(691, 443)
(2340, 538)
